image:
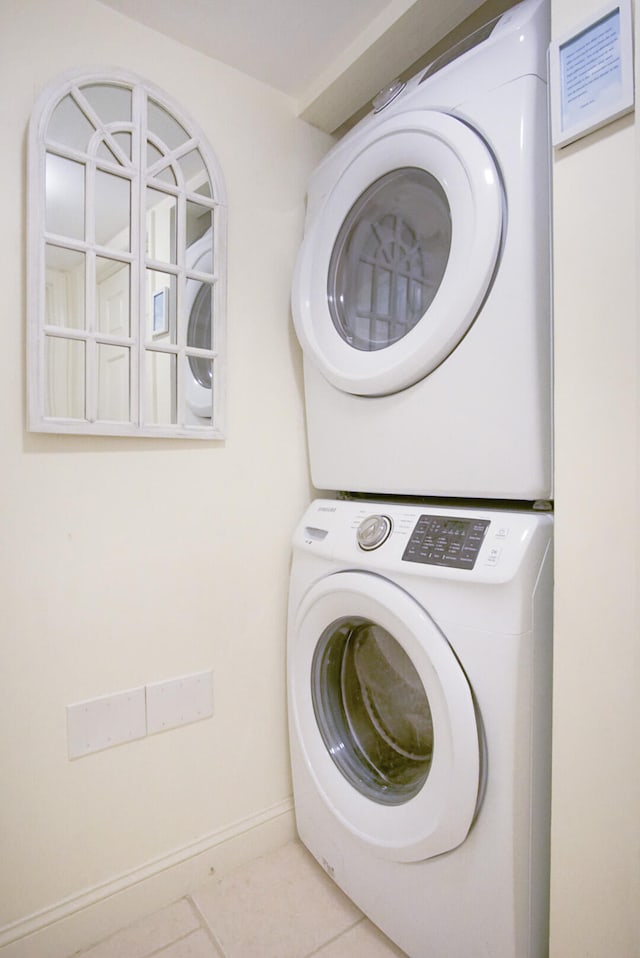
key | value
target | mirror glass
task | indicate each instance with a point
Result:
(198, 390)
(199, 219)
(69, 126)
(199, 300)
(113, 383)
(154, 155)
(161, 389)
(164, 126)
(64, 287)
(65, 361)
(195, 173)
(65, 197)
(113, 297)
(112, 103)
(113, 211)
(124, 141)
(161, 226)
(167, 175)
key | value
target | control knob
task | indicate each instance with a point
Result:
(373, 531)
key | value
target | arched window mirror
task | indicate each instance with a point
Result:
(127, 242)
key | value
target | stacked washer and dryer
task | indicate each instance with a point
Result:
(420, 613)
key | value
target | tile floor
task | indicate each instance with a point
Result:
(279, 906)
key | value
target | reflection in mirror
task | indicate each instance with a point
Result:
(64, 360)
(199, 300)
(114, 377)
(161, 226)
(112, 103)
(166, 176)
(64, 287)
(64, 197)
(104, 153)
(160, 306)
(153, 154)
(68, 125)
(195, 174)
(199, 220)
(113, 297)
(164, 126)
(198, 388)
(113, 211)
(199, 371)
(124, 141)
(161, 389)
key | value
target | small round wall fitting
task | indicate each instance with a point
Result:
(373, 531)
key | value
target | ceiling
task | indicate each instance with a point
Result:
(329, 56)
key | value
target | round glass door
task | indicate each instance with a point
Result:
(389, 259)
(401, 246)
(372, 711)
(383, 714)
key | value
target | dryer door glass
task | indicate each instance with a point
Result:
(389, 259)
(372, 711)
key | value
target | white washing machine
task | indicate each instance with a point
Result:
(198, 379)
(421, 294)
(419, 678)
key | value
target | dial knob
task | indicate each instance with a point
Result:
(373, 531)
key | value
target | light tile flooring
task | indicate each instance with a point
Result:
(279, 906)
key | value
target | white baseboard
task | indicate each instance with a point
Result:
(78, 922)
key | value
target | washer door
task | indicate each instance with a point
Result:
(385, 717)
(395, 266)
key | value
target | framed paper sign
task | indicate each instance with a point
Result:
(591, 74)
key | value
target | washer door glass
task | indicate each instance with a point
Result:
(372, 711)
(389, 259)
(382, 717)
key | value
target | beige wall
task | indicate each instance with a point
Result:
(125, 562)
(596, 785)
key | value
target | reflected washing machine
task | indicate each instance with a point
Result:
(419, 681)
(198, 379)
(421, 294)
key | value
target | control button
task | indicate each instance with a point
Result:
(387, 95)
(502, 532)
(373, 531)
(493, 555)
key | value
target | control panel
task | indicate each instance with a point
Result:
(449, 541)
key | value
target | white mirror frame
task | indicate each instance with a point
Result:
(152, 340)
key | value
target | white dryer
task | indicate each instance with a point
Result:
(421, 294)
(419, 679)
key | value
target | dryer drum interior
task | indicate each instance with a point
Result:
(372, 710)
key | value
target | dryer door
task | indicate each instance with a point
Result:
(385, 717)
(396, 262)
